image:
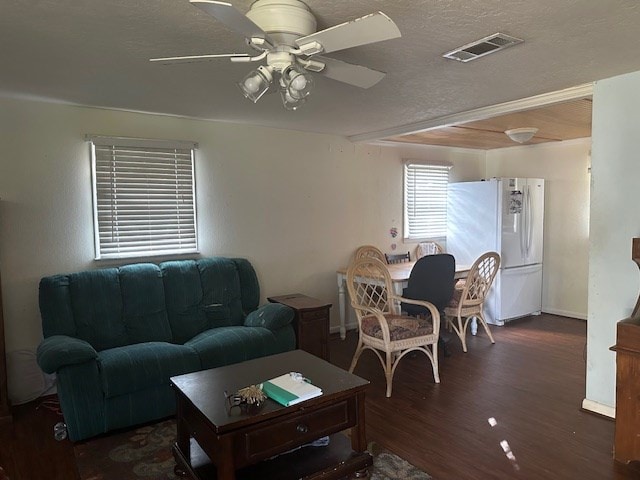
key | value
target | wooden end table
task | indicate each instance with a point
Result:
(214, 443)
(311, 322)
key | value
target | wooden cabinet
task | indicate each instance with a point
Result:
(627, 348)
(311, 322)
(627, 440)
(5, 412)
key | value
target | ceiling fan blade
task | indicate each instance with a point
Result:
(357, 75)
(372, 28)
(196, 58)
(232, 18)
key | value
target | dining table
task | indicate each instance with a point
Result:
(399, 273)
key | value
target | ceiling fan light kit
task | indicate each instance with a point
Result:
(295, 87)
(256, 83)
(296, 81)
(521, 135)
(284, 32)
(291, 103)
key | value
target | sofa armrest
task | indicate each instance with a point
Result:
(273, 316)
(58, 351)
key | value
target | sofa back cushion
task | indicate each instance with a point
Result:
(96, 303)
(249, 286)
(107, 307)
(55, 307)
(144, 302)
(208, 293)
(221, 289)
(183, 297)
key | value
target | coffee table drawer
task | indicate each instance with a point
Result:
(307, 426)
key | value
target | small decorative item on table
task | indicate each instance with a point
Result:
(248, 400)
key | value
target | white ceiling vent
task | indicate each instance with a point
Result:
(482, 47)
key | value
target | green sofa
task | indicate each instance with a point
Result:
(114, 336)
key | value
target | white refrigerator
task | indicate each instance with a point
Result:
(504, 215)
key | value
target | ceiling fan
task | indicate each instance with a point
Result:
(284, 34)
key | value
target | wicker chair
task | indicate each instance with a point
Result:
(428, 248)
(382, 327)
(371, 252)
(468, 302)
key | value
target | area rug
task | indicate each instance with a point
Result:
(145, 453)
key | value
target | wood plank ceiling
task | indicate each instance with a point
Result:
(555, 123)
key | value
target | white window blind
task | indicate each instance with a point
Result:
(144, 197)
(425, 200)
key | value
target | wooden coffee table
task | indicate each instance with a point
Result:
(214, 443)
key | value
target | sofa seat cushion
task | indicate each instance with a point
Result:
(227, 345)
(135, 367)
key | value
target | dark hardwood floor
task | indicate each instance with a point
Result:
(531, 382)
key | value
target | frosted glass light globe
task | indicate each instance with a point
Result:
(252, 84)
(299, 83)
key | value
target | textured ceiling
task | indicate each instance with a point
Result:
(95, 52)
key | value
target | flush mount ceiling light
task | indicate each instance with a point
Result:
(521, 135)
(284, 34)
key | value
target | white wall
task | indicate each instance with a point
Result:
(297, 205)
(615, 220)
(564, 166)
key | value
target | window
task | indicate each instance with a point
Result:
(143, 197)
(425, 201)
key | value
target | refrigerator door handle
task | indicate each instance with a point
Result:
(527, 206)
(529, 220)
(521, 236)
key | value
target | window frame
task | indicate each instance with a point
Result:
(444, 167)
(124, 142)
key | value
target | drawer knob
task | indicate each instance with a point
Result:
(302, 428)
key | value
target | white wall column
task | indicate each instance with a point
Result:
(614, 221)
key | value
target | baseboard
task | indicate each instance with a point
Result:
(565, 313)
(348, 326)
(599, 408)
